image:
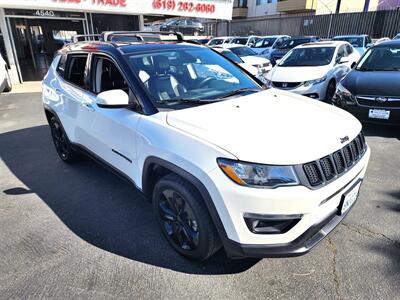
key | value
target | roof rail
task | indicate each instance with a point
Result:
(108, 36)
(76, 38)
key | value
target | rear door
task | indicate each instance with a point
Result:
(70, 90)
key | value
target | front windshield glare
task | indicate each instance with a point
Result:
(189, 75)
(380, 59)
(308, 57)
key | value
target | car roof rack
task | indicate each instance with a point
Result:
(86, 37)
(108, 36)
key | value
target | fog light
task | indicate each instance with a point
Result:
(271, 224)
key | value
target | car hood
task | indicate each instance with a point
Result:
(297, 74)
(379, 83)
(249, 68)
(269, 127)
(254, 60)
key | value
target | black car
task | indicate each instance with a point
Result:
(372, 90)
(185, 26)
(280, 50)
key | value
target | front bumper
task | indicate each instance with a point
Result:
(318, 208)
(316, 91)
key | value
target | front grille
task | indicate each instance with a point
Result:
(286, 85)
(330, 167)
(371, 101)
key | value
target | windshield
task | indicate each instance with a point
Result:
(232, 56)
(215, 42)
(380, 59)
(290, 44)
(357, 42)
(308, 57)
(243, 51)
(265, 42)
(241, 41)
(189, 76)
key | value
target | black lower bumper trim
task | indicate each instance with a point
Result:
(298, 247)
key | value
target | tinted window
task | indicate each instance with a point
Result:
(241, 41)
(216, 42)
(266, 42)
(62, 64)
(318, 56)
(188, 76)
(107, 76)
(243, 51)
(291, 43)
(232, 56)
(380, 59)
(357, 42)
(76, 69)
(349, 49)
(341, 53)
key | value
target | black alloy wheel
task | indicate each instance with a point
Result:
(330, 91)
(61, 142)
(178, 220)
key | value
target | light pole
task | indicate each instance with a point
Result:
(330, 22)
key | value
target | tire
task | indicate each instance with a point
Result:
(8, 84)
(61, 142)
(184, 218)
(330, 91)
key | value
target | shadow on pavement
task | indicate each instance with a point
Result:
(381, 130)
(97, 205)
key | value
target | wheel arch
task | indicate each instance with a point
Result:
(154, 168)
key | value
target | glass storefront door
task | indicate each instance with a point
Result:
(37, 40)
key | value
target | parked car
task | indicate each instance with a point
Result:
(371, 91)
(223, 161)
(219, 41)
(200, 40)
(248, 41)
(236, 59)
(360, 42)
(314, 69)
(185, 26)
(280, 50)
(381, 40)
(266, 43)
(397, 37)
(5, 83)
(249, 57)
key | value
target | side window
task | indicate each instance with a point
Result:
(62, 64)
(76, 66)
(341, 53)
(106, 76)
(349, 49)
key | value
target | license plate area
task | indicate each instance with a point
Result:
(379, 114)
(349, 198)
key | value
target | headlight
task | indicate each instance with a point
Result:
(345, 94)
(316, 81)
(256, 175)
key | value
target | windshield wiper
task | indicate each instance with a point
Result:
(183, 100)
(237, 92)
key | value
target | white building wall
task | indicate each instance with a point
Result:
(265, 7)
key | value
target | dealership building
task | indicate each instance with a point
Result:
(33, 30)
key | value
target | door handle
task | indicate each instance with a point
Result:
(88, 106)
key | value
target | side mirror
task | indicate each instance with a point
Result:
(344, 60)
(112, 99)
(370, 45)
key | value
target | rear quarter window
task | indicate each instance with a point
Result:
(61, 65)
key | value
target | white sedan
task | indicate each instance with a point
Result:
(249, 57)
(314, 69)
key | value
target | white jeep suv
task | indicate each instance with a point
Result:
(225, 162)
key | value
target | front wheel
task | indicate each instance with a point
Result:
(184, 219)
(330, 91)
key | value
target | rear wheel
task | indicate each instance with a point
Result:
(8, 84)
(330, 91)
(184, 219)
(61, 142)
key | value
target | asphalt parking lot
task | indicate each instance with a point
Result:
(82, 232)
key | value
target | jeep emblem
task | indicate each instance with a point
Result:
(344, 139)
